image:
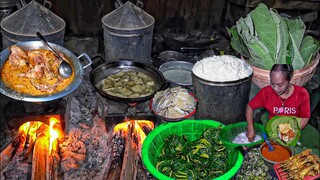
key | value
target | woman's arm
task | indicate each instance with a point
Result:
(304, 122)
(250, 128)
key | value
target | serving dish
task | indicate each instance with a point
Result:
(74, 61)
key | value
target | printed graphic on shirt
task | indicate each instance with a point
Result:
(284, 110)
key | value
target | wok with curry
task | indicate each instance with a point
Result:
(34, 72)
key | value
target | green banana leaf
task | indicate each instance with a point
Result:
(297, 29)
(273, 125)
(297, 61)
(309, 46)
(237, 43)
(259, 53)
(282, 37)
(265, 28)
(265, 38)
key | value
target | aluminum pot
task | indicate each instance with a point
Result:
(104, 70)
(74, 61)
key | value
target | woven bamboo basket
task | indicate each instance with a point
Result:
(300, 77)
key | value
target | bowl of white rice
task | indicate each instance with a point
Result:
(223, 68)
(234, 135)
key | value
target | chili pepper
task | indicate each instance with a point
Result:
(205, 142)
(179, 148)
(203, 155)
(192, 174)
(181, 176)
(157, 166)
(183, 173)
(219, 148)
(197, 148)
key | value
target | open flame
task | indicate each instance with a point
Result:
(54, 134)
(34, 129)
(137, 125)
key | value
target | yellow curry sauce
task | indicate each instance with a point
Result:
(10, 76)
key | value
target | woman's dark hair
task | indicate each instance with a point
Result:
(285, 69)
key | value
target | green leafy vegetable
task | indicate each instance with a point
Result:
(203, 158)
(253, 167)
(282, 37)
(265, 38)
(309, 47)
(265, 27)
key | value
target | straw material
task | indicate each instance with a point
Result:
(300, 77)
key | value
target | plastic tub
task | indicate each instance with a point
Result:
(229, 132)
(192, 129)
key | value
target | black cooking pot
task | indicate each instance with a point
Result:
(104, 70)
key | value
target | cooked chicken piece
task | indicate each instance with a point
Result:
(34, 73)
(17, 56)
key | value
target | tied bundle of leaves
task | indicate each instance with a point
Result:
(265, 38)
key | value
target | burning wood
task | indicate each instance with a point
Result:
(42, 151)
(117, 156)
(129, 170)
(34, 145)
(9, 151)
(133, 135)
(40, 159)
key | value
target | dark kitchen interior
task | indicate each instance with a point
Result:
(92, 147)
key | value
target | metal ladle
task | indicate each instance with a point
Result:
(65, 69)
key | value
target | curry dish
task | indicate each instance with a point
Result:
(34, 72)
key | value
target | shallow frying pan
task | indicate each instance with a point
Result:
(104, 70)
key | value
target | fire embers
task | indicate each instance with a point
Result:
(33, 153)
(84, 151)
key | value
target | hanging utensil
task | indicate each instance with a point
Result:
(65, 68)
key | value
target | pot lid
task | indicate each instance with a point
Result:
(32, 18)
(128, 17)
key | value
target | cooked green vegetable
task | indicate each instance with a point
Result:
(203, 158)
(265, 38)
(253, 167)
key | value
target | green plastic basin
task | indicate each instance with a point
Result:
(229, 132)
(193, 129)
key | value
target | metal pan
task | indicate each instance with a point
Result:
(74, 60)
(104, 70)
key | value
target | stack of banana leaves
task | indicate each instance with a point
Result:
(265, 38)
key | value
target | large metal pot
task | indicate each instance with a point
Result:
(74, 60)
(104, 70)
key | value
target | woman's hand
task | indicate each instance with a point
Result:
(250, 129)
(251, 133)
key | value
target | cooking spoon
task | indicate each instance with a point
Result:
(267, 141)
(65, 69)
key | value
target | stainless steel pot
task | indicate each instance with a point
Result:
(74, 60)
